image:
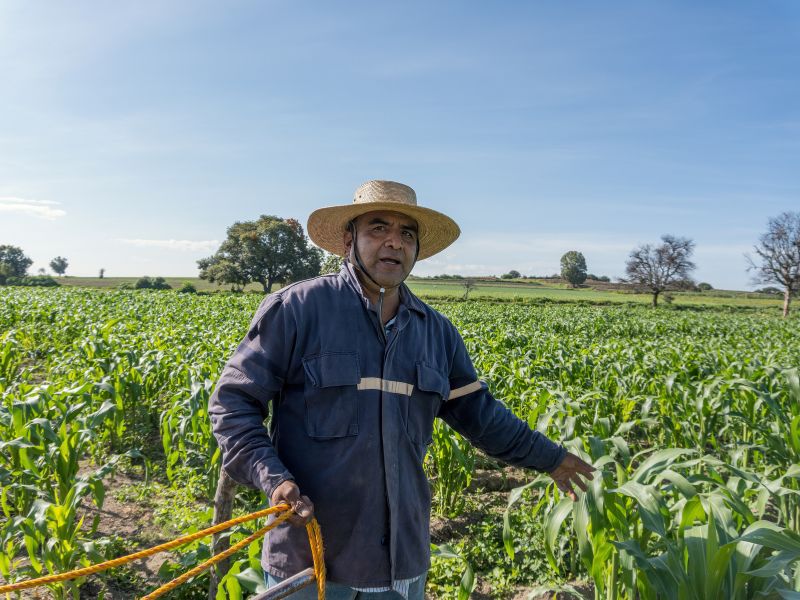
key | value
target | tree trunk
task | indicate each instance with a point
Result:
(655, 299)
(787, 298)
(223, 509)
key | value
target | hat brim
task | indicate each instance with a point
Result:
(326, 226)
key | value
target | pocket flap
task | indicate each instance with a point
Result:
(432, 380)
(332, 369)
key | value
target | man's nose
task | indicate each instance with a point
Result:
(393, 240)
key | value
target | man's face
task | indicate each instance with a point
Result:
(387, 245)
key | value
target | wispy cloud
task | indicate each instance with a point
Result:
(42, 209)
(183, 245)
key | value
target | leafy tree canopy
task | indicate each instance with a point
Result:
(573, 268)
(267, 251)
(59, 265)
(331, 263)
(657, 268)
(147, 283)
(13, 262)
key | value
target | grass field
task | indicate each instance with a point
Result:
(555, 292)
(523, 291)
(537, 289)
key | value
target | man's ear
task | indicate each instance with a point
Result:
(348, 239)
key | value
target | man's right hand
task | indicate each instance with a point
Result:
(289, 493)
(572, 470)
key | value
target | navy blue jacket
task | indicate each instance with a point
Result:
(351, 417)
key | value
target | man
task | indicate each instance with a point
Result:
(355, 368)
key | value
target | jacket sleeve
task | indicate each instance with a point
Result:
(240, 402)
(473, 412)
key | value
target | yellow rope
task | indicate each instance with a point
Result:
(314, 538)
(215, 559)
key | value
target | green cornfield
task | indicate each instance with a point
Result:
(692, 418)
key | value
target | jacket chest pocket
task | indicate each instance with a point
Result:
(331, 395)
(431, 389)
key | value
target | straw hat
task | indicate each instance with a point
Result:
(326, 226)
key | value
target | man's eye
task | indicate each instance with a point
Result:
(409, 235)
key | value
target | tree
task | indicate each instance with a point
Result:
(59, 265)
(13, 263)
(223, 270)
(269, 250)
(102, 273)
(661, 267)
(770, 290)
(331, 263)
(143, 283)
(573, 268)
(512, 274)
(468, 285)
(779, 252)
(147, 283)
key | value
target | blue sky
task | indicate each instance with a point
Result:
(133, 134)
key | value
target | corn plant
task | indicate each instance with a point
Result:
(46, 432)
(710, 560)
(186, 434)
(691, 417)
(9, 360)
(638, 528)
(449, 464)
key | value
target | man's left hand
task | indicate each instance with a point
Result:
(571, 472)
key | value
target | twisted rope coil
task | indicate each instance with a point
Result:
(314, 539)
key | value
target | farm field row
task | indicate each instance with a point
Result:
(527, 290)
(532, 291)
(691, 417)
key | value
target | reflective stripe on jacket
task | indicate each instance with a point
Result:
(352, 416)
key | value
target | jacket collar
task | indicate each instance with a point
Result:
(407, 298)
(411, 301)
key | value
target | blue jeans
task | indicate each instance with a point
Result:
(335, 591)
